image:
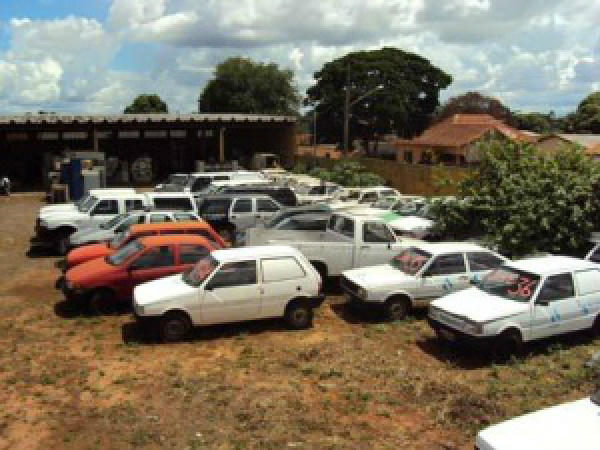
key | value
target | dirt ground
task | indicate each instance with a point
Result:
(72, 381)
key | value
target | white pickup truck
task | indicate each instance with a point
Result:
(54, 227)
(351, 241)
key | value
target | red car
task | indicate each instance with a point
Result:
(102, 282)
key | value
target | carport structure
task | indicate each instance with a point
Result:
(173, 141)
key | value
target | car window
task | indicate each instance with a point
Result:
(183, 217)
(240, 273)
(483, 261)
(595, 256)
(133, 204)
(159, 218)
(588, 281)
(242, 206)
(447, 265)
(200, 183)
(342, 225)
(304, 225)
(156, 257)
(190, 254)
(377, 232)
(181, 203)
(263, 205)
(280, 269)
(557, 287)
(106, 207)
(215, 208)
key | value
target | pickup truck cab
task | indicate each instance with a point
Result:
(307, 226)
(101, 282)
(574, 426)
(104, 232)
(231, 286)
(92, 251)
(417, 275)
(351, 240)
(522, 301)
(75, 205)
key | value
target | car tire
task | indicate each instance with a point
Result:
(510, 344)
(396, 308)
(299, 315)
(102, 302)
(596, 327)
(175, 326)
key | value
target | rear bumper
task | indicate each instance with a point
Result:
(453, 334)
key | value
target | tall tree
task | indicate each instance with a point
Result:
(390, 91)
(243, 86)
(147, 104)
(587, 117)
(474, 103)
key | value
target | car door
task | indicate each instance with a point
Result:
(587, 284)
(480, 263)
(265, 209)
(104, 210)
(242, 213)
(555, 307)
(376, 246)
(282, 280)
(232, 294)
(155, 262)
(446, 273)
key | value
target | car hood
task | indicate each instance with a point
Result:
(479, 306)
(162, 290)
(571, 425)
(87, 272)
(87, 253)
(90, 234)
(379, 277)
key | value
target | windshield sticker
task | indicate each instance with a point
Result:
(408, 261)
(524, 287)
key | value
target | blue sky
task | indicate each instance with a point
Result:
(95, 56)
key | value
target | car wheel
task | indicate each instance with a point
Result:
(299, 316)
(510, 343)
(102, 302)
(174, 327)
(396, 308)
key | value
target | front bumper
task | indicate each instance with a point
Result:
(460, 336)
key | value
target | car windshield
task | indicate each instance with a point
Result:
(201, 270)
(510, 283)
(411, 260)
(119, 239)
(122, 255)
(113, 222)
(87, 205)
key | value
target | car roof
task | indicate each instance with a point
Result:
(437, 248)
(552, 264)
(169, 194)
(183, 225)
(264, 251)
(151, 241)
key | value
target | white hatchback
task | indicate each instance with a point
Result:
(523, 301)
(232, 285)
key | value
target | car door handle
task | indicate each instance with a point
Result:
(299, 288)
(363, 247)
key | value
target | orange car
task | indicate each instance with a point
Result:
(88, 252)
(102, 282)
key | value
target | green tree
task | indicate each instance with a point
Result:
(537, 122)
(522, 201)
(241, 85)
(474, 103)
(587, 117)
(409, 87)
(345, 173)
(147, 104)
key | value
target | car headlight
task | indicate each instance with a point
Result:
(473, 328)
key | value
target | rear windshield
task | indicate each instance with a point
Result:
(122, 255)
(510, 283)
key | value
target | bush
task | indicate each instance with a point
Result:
(347, 173)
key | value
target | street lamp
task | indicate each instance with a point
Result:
(349, 104)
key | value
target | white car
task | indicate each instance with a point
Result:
(523, 301)
(418, 275)
(572, 426)
(232, 285)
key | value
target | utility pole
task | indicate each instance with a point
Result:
(346, 113)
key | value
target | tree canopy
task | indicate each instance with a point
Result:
(522, 201)
(474, 103)
(345, 173)
(409, 87)
(539, 122)
(145, 104)
(241, 85)
(587, 117)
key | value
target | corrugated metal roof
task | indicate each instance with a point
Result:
(140, 118)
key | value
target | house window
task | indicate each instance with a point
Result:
(155, 134)
(74, 135)
(48, 136)
(408, 156)
(133, 134)
(178, 134)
